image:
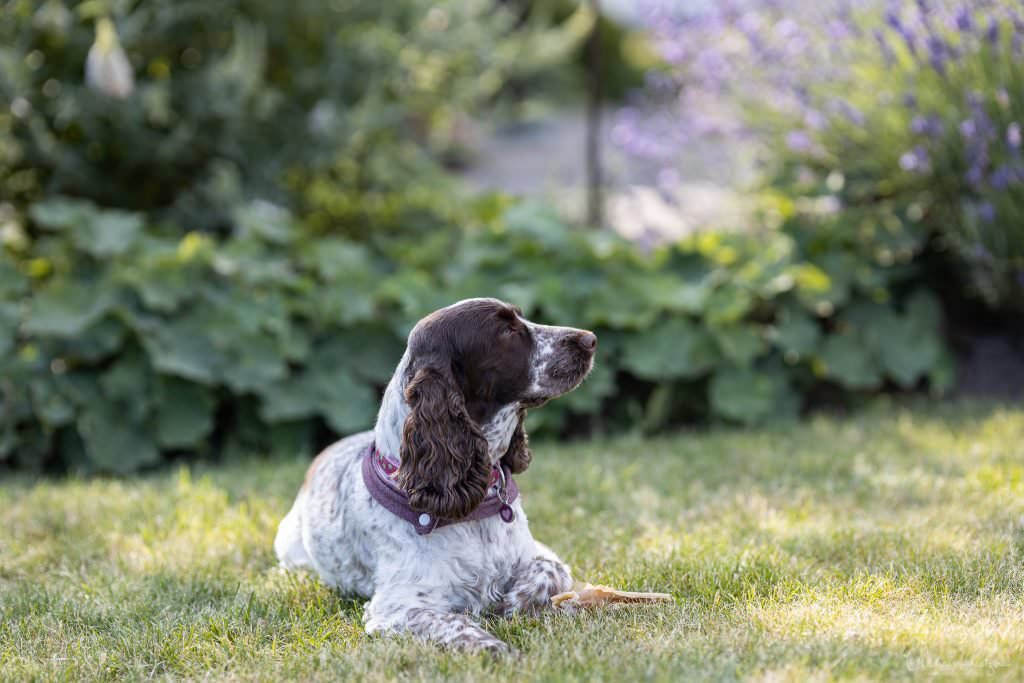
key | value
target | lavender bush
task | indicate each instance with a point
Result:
(903, 119)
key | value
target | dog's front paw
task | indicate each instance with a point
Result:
(533, 586)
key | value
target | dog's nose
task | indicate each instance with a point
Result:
(587, 340)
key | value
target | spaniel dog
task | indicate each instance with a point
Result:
(421, 514)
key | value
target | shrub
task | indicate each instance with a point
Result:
(243, 99)
(125, 343)
(908, 118)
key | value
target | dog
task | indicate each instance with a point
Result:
(421, 514)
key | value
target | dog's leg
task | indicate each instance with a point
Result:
(534, 582)
(410, 609)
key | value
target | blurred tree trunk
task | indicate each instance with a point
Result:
(595, 96)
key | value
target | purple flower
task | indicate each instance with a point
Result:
(992, 34)
(855, 115)
(986, 211)
(975, 175)
(968, 128)
(926, 125)
(1013, 135)
(937, 53)
(798, 141)
(668, 179)
(814, 119)
(916, 160)
(963, 20)
(1000, 178)
(884, 46)
(893, 20)
(838, 30)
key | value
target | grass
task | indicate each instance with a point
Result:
(889, 545)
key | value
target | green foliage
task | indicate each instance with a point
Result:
(128, 342)
(227, 259)
(249, 98)
(919, 130)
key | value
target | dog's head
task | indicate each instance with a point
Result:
(473, 369)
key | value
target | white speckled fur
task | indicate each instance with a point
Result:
(423, 585)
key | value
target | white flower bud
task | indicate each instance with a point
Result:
(107, 69)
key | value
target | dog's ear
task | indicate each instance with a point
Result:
(445, 469)
(517, 457)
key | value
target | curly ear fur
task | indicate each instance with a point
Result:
(445, 469)
(518, 456)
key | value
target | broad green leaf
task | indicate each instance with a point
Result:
(114, 443)
(536, 223)
(61, 213)
(291, 399)
(728, 304)
(184, 414)
(12, 282)
(100, 341)
(671, 293)
(925, 309)
(739, 343)
(8, 326)
(347, 404)
(182, 348)
(164, 287)
(909, 352)
(50, 405)
(129, 381)
(751, 396)
(341, 303)
(908, 345)
(67, 308)
(264, 220)
(370, 353)
(847, 360)
(108, 233)
(673, 349)
(796, 332)
(252, 363)
(333, 259)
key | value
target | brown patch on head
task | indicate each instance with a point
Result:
(487, 347)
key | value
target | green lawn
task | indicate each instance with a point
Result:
(887, 545)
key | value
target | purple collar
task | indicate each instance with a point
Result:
(379, 475)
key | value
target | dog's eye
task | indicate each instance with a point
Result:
(509, 331)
